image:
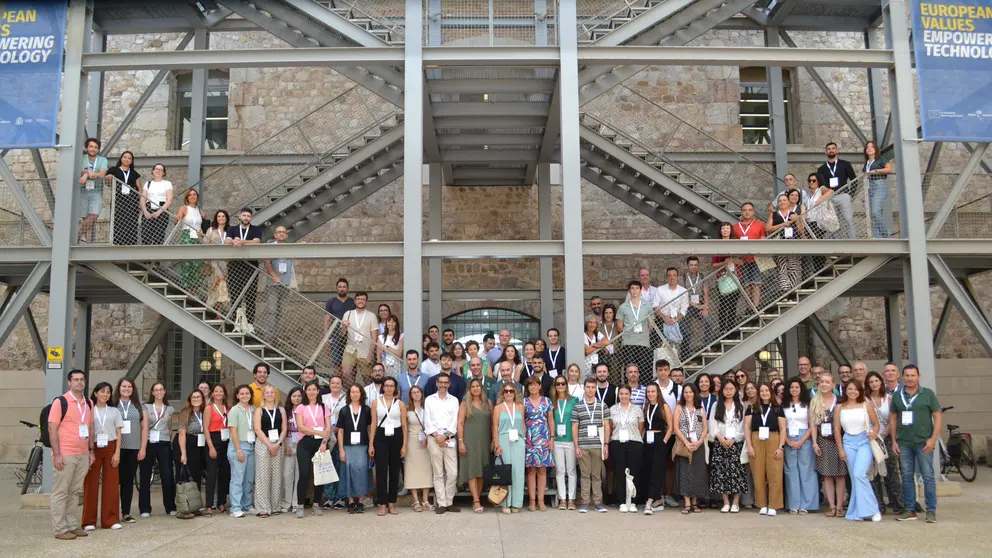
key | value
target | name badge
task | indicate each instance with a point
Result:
(650, 436)
(421, 436)
(273, 435)
(390, 430)
(731, 432)
(295, 437)
(251, 437)
(356, 438)
(102, 440)
(201, 440)
(225, 434)
(513, 435)
(193, 233)
(638, 328)
(763, 433)
(90, 186)
(692, 436)
(592, 431)
(794, 431)
(694, 299)
(125, 190)
(788, 232)
(907, 418)
(450, 444)
(283, 268)
(126, 427)
(827, 429)
(554, 373)
(834, 182)
(744, 237)
(623, 436)
(319, 436)
(84, 431)
(560, 430)
(154, 436)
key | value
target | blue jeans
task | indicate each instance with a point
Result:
(331, 491)
(912, 460)
(859, 458)
(802, 489)
(242, 476)
(878, 195)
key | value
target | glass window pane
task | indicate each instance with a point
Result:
(475, 324)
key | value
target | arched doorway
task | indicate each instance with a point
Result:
(475, 324)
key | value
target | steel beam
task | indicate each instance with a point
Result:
(46, 182)
(82, 343)
(973, 314)
(27, 210)
(470, 110)
(545, 218)
(491, 122)
(893, 328)
(157, 338)
(243, 58)
(21, 299)
(971, 149)
(463, 86)
(876, 96)
(776, 104)
(571, 180)
(413, 153)
(825, 89)
(552, 129)
(828, 340)
(736, 56)
(435, 208)
(945, 315)
(790, 353)
(449, 140)
(94, 124)
(917, 281)
(35, 334)
(644, 22)
(489, 156)
(793, 316)
(109, 145)
(337, 23)
(198, 115)
(938, 220)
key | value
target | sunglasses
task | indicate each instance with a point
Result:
(812, 181)
(508, 391)
(741, 376)
(559, 384)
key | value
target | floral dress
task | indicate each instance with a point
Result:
(538, 434)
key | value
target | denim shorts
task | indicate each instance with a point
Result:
(751, 274)
(91, 202)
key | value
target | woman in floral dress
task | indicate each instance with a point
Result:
(540, 445)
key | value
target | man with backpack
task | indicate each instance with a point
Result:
(70, 430)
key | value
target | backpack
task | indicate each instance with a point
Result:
(46, 440)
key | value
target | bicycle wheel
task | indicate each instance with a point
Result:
(34, 462)
(966, 464)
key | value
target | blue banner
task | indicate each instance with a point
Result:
(953, 43)
(32, 34)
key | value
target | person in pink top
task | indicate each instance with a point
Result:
(749, 228)
(313, 420)
(70, 425)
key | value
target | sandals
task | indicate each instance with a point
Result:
(429, 506)
(531, 507)
(695, 509)
(382, 511)
(263, 515)
(393, 510)
(477, 507)
(686, 510)
(803, 512)
(841, 512)
(417, 507)
(831, 512)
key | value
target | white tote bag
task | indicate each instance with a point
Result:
(323, 468)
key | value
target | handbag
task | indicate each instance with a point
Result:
(744, 457)
(727, 283)
(323, 468)
(672, 332)
(826, 216)
(498, 474)
(877, 447)
(681, 450)
(497, 494)
(764, 263)
(187, 494)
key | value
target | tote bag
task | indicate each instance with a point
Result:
(323, 468)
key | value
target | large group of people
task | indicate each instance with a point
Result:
(656, 440)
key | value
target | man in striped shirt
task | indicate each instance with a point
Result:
(588, 431)
(637, 391)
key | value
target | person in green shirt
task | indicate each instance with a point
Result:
(241, 453)
(475, 370)
(634, 321)
(563, 404)
(914, 424)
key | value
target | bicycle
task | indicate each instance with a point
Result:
(957, 452)
(30, 474)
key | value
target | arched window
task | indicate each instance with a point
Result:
(475, 324)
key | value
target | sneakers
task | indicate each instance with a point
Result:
(237, 514)
(67, 536)
(145, 515)
(623, 508)
(648, 510)
(328, 505)
(89, 528)
(130, 519)
(735, 508)
(299, 512)
(931, 517)
(116, 526)
(583, 509)
(763, 511)
(670, 502)
(339, 504)
(251, 511)
(601, 508)
(658, 505)
(725, 508)
(79, 533)
(317, 511)
(173, 513)
(910, 516)
(877, 517)
(772, 512)
(632, 508)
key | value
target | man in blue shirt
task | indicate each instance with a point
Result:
(411, 376)
(458, 385)
(336, 306)
(280, 272)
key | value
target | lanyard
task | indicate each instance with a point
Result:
(832, 405)
(125, 410)
(312, 410)
(126, 174)
(223, 236)
(513, 414)
(388, 411)
(908, 404)
(609, 332)
(602, 396)
(636, 311)
(690, 283)
(691, 419)
(833, 171)
(243, 233)
(711, 399)
(786, 216)
(355, 419)
(222, 414)
(158, 417)
(409, 384)
(272, 417)
(764, 417)
(869, 164)
(592, 341)
(554, 357)
(743, 230)
(420, 417)
(651, 414)
(592, 414)
(358, 323)
(82, 408)
(625, 415)
(561, 411)
(199, 419)
(103, 421)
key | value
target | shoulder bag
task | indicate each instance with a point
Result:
(187, 494)
(727, 283)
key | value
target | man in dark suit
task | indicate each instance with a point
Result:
(241, 274)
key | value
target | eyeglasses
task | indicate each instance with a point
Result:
(508, 391)
(812, 181)
(442, 384)
(559, 384)
(739, 376)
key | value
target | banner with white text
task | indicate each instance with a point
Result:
(31, 44)
(953, 43)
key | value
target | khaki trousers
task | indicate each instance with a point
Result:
(444, 464)
(591, 471)
(767, 472)
(67, 487)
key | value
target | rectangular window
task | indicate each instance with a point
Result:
(755, 107)
(216, 111)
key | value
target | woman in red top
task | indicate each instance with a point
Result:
(729, 288)
(218, 468)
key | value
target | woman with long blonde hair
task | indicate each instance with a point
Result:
(474, 440)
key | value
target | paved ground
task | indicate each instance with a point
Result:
(963, 530)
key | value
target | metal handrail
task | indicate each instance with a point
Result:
(602, 18)
(398, 29)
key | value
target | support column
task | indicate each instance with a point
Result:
(72, 118)
(189, 369)
(545, 219)
(571, 180)
(790, 354)
(198, 115)
(912, 224)
(776, 105)
(94, 121)
(81, 339)
(893, 328)
(413, 152)
(434, 270)
(876, 96)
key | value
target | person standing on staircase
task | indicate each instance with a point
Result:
(673, 303)
(633, 320)
(749, 228)
(283, 276)
(359, 327)
(698, 311)
(242, 274)
(835, 173)
(336, 307)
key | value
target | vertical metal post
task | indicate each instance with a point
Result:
(790, 353)
(198, 115)
(893, 328)
(72, 118)
(876, 96)
(776, 106)
(544, 214)
(94, 122)
(916, 271)
(571, 180)
(413, 156)
(541, 22)
(81, 343)
(434, 22)
(434, 278)
(492, 24)
(188, 368)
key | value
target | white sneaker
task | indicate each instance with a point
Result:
(623, 508)
(648, 510)
(146, 515)
(173, 513)
(238, 514)
(632, 508)
(763, 511)
(877, 517)
(115, 526)
(89, 528)
(658, 505)
(772, 512)
(252, 511)
(725, 508)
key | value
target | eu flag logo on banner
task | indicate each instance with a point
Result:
(32, 34)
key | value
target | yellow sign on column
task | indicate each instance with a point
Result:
(55, 355)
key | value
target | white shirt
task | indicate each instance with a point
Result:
(796, 416)
(371, 393)
(156, 192)
(671, 302)
(671, 393)
(441, 415)
(430, 368)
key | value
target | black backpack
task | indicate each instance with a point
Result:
(46, 440)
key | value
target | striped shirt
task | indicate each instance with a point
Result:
(585, 414)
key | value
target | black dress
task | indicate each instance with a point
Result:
(127, 210)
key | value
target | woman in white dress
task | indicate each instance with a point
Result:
(216, 280)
